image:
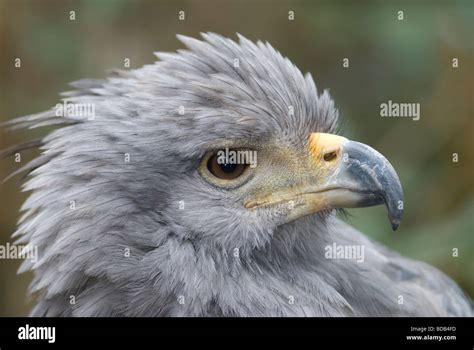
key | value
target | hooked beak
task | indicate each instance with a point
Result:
(349, 175)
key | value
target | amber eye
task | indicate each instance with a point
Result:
(224, 171)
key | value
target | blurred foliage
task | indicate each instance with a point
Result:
(402, 61)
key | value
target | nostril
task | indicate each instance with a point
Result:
(330, 156)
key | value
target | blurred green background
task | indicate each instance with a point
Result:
(402, 61)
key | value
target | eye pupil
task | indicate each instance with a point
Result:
(228, 168)
(224, 171)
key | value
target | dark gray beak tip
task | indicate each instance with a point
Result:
(395, 214)
(395, 224)
(393, 196)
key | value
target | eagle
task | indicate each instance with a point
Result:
(137, 209)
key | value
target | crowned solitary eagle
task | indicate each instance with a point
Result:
(135, 213)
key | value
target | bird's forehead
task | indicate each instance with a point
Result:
(224, 89)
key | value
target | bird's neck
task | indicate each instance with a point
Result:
(281, 278)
